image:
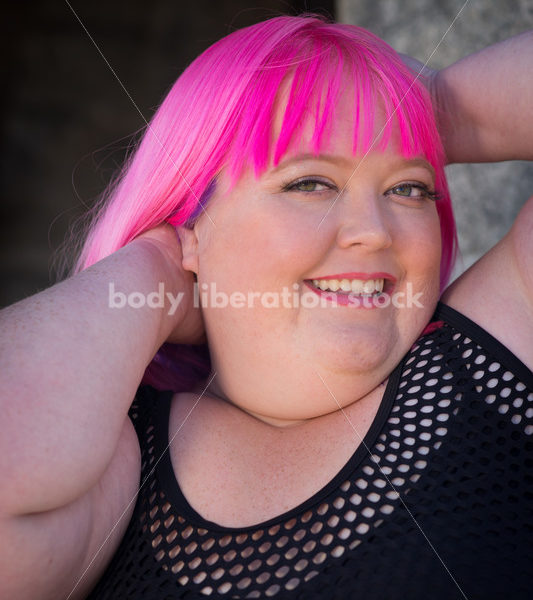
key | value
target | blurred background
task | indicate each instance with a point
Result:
(67, 122)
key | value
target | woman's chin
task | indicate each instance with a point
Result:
(359, 353)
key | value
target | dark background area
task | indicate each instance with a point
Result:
(66, 121)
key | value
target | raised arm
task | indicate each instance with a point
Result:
(485, 106)
(69, 367)
(484, 103)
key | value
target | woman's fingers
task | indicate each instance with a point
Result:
(181, 306)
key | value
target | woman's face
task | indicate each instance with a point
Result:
(308, 223)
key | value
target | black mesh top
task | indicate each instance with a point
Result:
(439, 508)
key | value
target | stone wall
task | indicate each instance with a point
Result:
(486, 197)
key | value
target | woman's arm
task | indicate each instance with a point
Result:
(70, 364)
(71, 360)
(484, 103)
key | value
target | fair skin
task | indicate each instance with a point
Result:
(267, 238)
(69, 369)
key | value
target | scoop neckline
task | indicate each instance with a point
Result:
(170, 485)
(172, 490)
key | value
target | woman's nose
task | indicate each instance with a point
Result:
(363, 222)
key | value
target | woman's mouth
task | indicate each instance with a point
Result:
(355, 286)
(363, 290)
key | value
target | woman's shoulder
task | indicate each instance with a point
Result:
(497, 291)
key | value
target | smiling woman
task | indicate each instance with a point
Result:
(245, 116)
(267, 238)
(308, 420)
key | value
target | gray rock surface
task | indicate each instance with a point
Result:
(486, 197)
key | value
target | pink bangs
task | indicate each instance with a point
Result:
(220, 114)
(312, 68)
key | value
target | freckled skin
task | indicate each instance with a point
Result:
(270, 234)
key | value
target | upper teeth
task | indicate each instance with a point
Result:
(356, 286)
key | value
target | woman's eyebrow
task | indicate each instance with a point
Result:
(405, 163)
(339, 160)
(330, 158)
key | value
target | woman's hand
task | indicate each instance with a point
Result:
(183, 316)
(424, 73)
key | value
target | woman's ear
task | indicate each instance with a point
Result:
(189, 248)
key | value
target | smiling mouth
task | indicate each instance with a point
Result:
(360, 287)
(361, 290)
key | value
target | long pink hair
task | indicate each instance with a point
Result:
(219, 114)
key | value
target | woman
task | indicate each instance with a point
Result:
(344, 440)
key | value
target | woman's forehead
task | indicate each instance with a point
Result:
(342, 130)
(341, 112)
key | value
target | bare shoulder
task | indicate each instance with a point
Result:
(62, 553)
(497, 291)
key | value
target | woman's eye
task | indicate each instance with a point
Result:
(412, 190)
(308, 185)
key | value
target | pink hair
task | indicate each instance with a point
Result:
(220, 112)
